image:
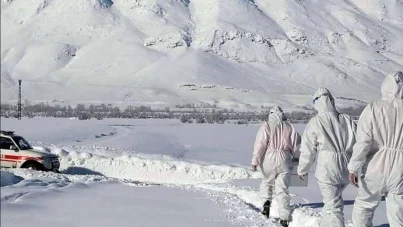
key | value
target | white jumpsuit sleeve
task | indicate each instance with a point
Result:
(353, 135)
(308, 148)
(262, 138)
(296, 143)
(364, 141)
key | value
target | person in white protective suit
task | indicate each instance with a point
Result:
(330, 136)
(277, 142)
(378, 154)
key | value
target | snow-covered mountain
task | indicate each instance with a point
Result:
(230, 52)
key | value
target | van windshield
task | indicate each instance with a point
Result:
(22, 143)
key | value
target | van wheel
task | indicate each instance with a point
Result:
(33, 166)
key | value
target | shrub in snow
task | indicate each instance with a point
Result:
(99, 116)
(84, 116)
(200, 120)
(242, 122)
(200, 113)
(185, 118)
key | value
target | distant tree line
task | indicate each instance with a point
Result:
(186, 113)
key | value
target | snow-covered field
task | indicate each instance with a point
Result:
(144, 173)
(234, 53)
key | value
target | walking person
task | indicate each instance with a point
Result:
(378, 154)
(276, 143)
(330, 135)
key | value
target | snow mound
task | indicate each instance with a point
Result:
(30, 187)
(148, 170)
(59, 152)
(42, 149)
(9, 179)
(306, 216)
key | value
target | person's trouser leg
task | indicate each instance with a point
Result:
(332, 212)
(282, 195)
(266, 187)
(394, 206)
(366, 202)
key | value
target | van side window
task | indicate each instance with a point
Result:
(5, 143)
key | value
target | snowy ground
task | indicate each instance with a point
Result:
(142, 172)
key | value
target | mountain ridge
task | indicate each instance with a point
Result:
(236, 53)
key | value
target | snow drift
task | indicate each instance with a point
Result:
(9, 179)
(148, 170)
(143, 51)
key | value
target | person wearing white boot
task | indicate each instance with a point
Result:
(330, 135)
(277, 142)
(378, 154)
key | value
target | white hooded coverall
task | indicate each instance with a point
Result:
(378, 153)
(277, 142)
(330, 135)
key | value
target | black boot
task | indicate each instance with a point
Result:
(284, 223)
(266, 208)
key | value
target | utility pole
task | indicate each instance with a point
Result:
(19, 100)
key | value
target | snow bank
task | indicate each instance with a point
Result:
(149, 170)
(9, 179)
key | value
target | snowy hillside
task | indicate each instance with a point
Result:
(232, 52)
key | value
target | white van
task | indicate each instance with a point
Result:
(16, 152)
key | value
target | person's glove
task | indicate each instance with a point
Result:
(254, 168)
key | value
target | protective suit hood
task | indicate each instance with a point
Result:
(328, 139)
(323, 101)
(392, 86)
(276, 115)
(276, 143)
(378, 154)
